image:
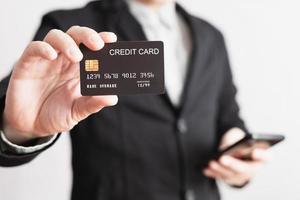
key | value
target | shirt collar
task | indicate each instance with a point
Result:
(147, 16)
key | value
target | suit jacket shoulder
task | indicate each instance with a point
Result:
(209, 31)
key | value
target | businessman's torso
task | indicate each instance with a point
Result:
(145, 148)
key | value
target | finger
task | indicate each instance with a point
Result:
(108, 37)
(260, 155)
(235, 180)
(85, 106)
(230, 137)
(63, 43)
(211, 174)
(239, 166)
(223, 172)
(87, 36)
(38, 49)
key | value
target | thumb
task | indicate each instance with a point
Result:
(230, 137)
(85, 106)
(260, 155)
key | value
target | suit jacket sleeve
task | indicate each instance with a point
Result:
(7, 156)
(228, 116)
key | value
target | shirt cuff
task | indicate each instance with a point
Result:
(17, 149)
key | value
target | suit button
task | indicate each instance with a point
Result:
(189, 195)
(182, 126)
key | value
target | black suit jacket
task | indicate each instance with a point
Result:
(144, 148)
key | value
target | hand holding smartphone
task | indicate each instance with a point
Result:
(243, 148)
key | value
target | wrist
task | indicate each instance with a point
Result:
(15, 136)
(8, 147)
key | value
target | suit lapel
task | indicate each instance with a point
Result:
(195, 66)
(129, 29)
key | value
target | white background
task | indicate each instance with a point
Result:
(263, 38)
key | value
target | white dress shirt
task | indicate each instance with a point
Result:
(18, 149)
(163, 24)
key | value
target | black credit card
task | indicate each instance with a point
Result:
(123, 68)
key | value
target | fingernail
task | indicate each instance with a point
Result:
(213, 164)
(260, 154)
(114, 37)
(224, 160)
(52, 54)
(95, 40)
(112, 100)
(75, 54)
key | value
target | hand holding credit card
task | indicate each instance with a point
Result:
(123, 68)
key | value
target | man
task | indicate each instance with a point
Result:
(147, 146)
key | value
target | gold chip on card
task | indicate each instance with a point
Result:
(92, 65)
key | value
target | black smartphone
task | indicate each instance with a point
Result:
(243, 148)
